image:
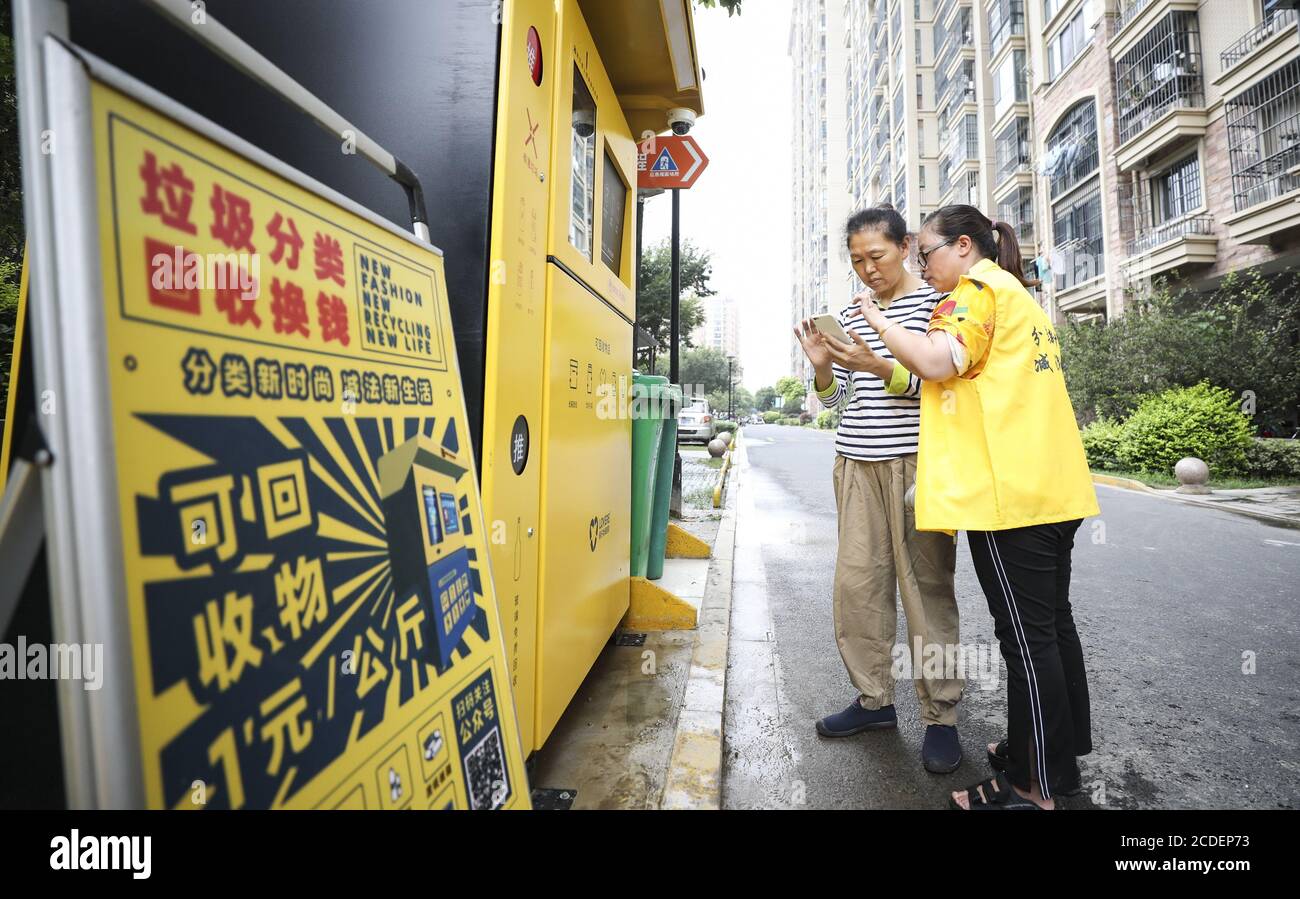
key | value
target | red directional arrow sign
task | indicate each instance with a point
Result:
(669, 163)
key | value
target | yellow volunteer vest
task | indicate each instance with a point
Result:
(999, 445)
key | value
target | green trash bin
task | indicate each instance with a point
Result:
(647, 434)
(664, 482)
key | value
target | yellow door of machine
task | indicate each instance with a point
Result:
(516, 324)
(586, 471)
(561, 307)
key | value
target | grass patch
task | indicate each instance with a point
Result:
(1168, 480)
(701, 499)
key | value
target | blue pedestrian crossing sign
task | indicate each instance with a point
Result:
(664, 163)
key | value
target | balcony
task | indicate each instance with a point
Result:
(1079, 272)
(1128, 12)
(1006, 19)
(1265, 48)
(960, 97)
(1136, 17)
(1180, 244)
(965, 144)
(1264, 152)
(1159, 93)
(941, 11)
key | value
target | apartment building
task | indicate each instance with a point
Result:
(1126, 140)
(1169, 142)
(889, 71)
(720, 329)
(820, 188)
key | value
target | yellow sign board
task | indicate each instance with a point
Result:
(311, 608)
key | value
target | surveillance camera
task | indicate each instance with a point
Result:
(681, 120)
(584, 123)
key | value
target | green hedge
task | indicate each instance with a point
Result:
(828, 420)
(1101, 441)
(1201, 421)
(1273, 458)
(771, 417)
(1240, 336)
(727, 426)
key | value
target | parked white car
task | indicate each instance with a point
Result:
(696, 422)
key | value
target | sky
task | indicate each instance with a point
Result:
(739, 209)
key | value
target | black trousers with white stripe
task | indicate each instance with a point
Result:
(1025, 574)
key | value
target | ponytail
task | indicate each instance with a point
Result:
(1008, 256)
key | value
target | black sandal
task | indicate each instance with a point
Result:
(995, 793)
(1000, 758)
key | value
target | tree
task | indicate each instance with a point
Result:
(704, 371)
(12, 234)
(742, 401)
(731, 6)
(790, 389)
(763, 398)
(654, 296)
(1243, 336)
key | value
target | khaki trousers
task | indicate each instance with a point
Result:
(881, 551)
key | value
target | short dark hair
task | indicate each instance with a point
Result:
(951, 222)
(883, 218)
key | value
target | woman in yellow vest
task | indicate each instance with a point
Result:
(1000, 458)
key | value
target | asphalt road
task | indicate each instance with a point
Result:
(1189, 619)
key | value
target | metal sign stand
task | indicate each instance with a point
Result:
(21, 525)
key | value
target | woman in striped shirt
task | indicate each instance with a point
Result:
(880, 550)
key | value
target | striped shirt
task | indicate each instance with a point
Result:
(880, 421)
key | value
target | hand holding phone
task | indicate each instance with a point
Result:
(829, 324)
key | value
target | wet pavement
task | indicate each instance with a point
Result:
(1189, 618)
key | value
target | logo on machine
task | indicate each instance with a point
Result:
(534, 51)
(599, 527)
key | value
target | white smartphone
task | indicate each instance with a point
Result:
(829, 324)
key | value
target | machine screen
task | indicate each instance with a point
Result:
(431, 515)
(449, 514)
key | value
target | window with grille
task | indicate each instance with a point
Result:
(1012, 147)
(972, 195)
(1078, 247)
(1017, 210)
(1161, 72)
(1176, 192)
(1264, 138)
(1072, 148)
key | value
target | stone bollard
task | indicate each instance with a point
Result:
(717, 448)
(909, 498)
(1193, 475)
(725, 437)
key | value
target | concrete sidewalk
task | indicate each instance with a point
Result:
(1278, 506)
(644, 730)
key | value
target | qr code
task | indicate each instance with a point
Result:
(485, 773)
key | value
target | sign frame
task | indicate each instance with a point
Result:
(100, 731)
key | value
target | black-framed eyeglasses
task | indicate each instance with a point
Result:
(923, 256)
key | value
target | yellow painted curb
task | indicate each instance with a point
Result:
(1126, 483)
(682, 544)
(652, 608)
(722, 476)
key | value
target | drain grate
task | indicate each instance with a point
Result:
(627, 639)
